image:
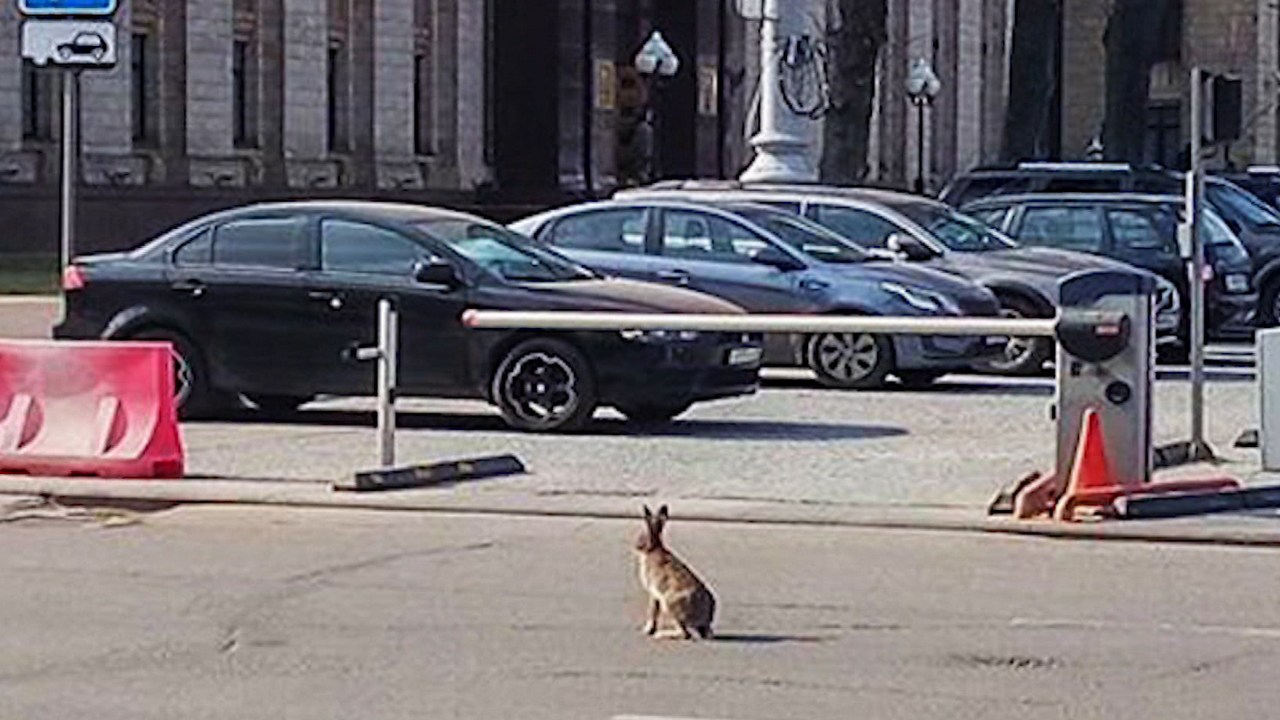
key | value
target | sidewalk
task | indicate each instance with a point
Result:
(1251, 529)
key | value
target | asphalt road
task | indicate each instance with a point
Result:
(271, 614)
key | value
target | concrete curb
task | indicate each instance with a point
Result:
(1212, 530)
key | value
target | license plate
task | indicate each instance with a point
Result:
(745, 356)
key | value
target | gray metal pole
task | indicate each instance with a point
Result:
(1195, 188)
(70, 164)
(388, 353)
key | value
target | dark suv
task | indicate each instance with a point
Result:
(1256, 223)
(1141, 230)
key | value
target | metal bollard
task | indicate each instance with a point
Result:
(386, 354)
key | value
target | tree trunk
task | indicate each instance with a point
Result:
(1033, 79)
(1131, 40)
(854, 49)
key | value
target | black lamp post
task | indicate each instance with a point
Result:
(655, 62)
(923, 86)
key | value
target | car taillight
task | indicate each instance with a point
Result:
(72, 278)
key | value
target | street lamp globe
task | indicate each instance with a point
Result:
(657, 57)
(923, 84)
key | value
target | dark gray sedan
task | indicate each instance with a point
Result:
(767, 260)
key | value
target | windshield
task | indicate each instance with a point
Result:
(806, 236)
(958, 232)
(506, 254)
(1233, 201)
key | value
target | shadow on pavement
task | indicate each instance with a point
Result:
(704, 429)
(759, 639)
(970, 385)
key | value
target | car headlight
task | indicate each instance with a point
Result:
(920, 299)
(659, 336)
(1236, 282)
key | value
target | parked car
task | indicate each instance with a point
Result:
(1141, 230)
(932, 234)
(771, 261)
(1255, 222)
(264, 302)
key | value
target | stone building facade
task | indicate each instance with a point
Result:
(516, 103)
(1239, 38)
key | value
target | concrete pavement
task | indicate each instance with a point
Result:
(246, 614)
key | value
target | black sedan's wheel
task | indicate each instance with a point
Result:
(545, 385)
(652, 413)
(192, 395)
(850, 361)
(277, 404)
(1022, 355)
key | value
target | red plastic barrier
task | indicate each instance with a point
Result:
(89, 408)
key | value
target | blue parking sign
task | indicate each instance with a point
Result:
(53, 8)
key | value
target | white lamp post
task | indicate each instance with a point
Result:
(783, 146)
(655, 62)
(923, 86)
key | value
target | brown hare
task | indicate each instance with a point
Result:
(674, 590)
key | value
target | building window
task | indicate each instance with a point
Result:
(244, 95)
(423, 130)
(140, 77)
(1164, 134)
(37, 104)
(337, 91)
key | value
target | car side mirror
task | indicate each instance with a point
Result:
(907, 246)
(435, 271)
(773, 257)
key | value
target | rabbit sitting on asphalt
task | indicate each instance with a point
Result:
(674, 590)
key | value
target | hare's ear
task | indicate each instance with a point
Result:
(662, 515)
(648, 514)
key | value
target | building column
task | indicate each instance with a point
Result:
(306, 108)
(472, 34)
(106, 115)
(442, 167)
(16, 166)
(970, 75)
(1265, 90)
(393, 111)
(571, 93)
(209, 31)
(1083, 74)
(997, 31)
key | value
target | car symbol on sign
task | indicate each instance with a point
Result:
(84, 43)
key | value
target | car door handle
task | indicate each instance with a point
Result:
(333, 299)
(680, 277)
(194, 288)
(812, 285)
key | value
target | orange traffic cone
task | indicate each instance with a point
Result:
(1091, 472)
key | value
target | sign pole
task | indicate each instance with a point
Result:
(70, 163)
(1200, 449)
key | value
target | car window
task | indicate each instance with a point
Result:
(1233, 203)
(807, 236)
(195, 252)
(1081, 184)
(619, 231)
(701, 236)
(956, 230)
(353, 247)
(991, 216)
(1070, 228)
(503, 253)
(864, 228)
(1134, 230)
(258, 243)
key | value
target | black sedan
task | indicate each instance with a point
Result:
(266, 302)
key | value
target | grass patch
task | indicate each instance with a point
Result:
(28, 274)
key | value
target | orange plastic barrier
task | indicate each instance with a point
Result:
(100, 409)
